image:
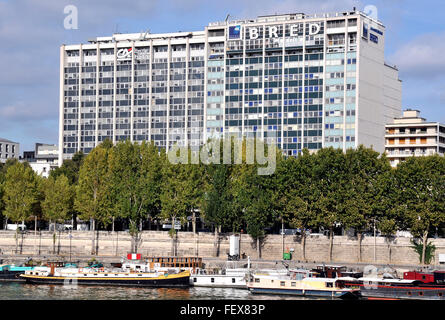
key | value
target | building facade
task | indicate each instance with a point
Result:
(411, 135)
(8, 150)
(43, 159)
(304, 81)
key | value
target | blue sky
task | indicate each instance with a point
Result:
(31, 32)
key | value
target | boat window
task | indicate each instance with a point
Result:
(194, 279)
(408, 293)
(440, 294)
(420, 293)
(106, 274)
(282, 283)
(329, 285)
(95, 274)
(293, 284)
(139, 275)
(84, 274)
(233, 280)
(212, 280)
(257, 280)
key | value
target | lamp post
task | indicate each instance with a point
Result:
(70, 236)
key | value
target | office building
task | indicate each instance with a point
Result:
(306, 81)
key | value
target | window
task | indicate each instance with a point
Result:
(212, 280)
(233, 280)
(282, 283)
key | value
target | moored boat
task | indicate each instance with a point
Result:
(300, 283)
(400, 289)
(102, 276)
(12, 272)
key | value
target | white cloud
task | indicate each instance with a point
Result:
(422, 57)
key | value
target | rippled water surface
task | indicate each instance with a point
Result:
(21, 291)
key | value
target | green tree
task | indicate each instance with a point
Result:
(364, 167)
(253, 194)
(71, 168)
(92, 191)
(420, 182)
(20, 193)
(182, 192)
(330, 178)
(135, 183)
(58, 201)
(295, 194)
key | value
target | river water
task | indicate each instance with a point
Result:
(22, 291)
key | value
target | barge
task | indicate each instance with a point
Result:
(102, 276)
(301, 283)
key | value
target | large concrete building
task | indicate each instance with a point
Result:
(411, 135)
(306, 81)
(8, 150)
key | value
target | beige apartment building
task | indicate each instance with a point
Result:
(411, 135)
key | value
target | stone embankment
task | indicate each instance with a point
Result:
(111, 246)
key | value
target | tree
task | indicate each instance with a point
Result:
(92, 191)
(58, 201)
(216, 207)
(253, 195)
(175, 204)
(135, 176)
(364, 166)
(420, 183)
(20, 193)
(330, 179)
(295, 194)
(70, 168)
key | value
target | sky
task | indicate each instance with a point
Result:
(32, 31)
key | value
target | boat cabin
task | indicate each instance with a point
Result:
(435, 277)
(419, 276)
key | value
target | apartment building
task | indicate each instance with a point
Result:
(411, 135)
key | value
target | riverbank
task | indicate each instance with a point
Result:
(112, 245)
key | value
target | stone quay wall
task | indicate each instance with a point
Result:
(159, 243)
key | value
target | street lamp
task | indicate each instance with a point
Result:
(70, 236)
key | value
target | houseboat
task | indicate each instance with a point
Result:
(12, 272)
(395, 289)
(300, 283)
(434, 278)
(228, 277)
(101, 276)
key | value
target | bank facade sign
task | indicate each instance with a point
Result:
(273, 31)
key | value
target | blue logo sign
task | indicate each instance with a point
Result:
(377, 31)
(234, 32)
(373, 38)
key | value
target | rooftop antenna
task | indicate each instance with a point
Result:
(227, 17)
